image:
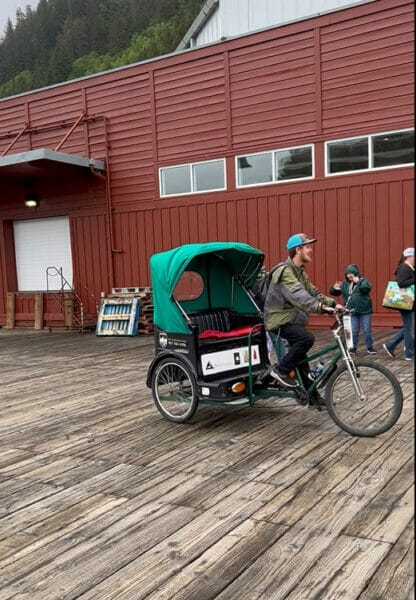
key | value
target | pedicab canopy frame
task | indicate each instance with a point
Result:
(225, 267)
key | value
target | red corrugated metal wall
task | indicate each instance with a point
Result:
(273, 91)
(343, 74)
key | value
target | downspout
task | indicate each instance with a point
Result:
(108, 198)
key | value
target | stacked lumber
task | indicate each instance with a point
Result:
(145, 324)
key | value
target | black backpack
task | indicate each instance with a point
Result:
(261, 285)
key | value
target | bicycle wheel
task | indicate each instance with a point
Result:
(174, 390)
(374, 413)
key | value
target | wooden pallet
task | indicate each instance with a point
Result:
(130, 290)
(118, 316)
(145, 323)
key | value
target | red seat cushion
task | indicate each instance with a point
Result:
(214, 333)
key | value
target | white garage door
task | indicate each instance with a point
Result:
(39, 244)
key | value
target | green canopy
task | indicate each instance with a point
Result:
(225, 267)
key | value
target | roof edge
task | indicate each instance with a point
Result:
(203, 16)
(47, 154)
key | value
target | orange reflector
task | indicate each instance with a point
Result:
(238, 387)
(292, 373)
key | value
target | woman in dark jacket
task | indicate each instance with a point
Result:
(355, 291)
(405, 276)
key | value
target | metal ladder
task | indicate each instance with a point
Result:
(68, 301)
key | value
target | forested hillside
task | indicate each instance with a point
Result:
(65, 39)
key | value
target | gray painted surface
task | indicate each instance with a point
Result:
(51, 155)
(228, 18)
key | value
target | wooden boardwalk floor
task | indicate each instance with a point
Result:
(103, 499)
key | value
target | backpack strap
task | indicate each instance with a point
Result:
(283, 264)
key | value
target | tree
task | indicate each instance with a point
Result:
(63, 39)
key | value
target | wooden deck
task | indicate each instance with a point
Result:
(103, 499)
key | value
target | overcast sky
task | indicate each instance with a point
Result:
(8, 9)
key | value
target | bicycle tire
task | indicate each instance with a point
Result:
(174, 390)
(373, 415)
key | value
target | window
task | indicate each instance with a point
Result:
(192, 178)
(294, 164)
(175, 180)
(378, 151)
(347, 155)
(288, 164)
(189, 287)
(208, 176)
(390, 149)
(255, 169)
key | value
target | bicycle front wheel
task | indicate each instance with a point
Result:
(372, 413)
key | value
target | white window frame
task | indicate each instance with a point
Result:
(273, 153)
(369, 137)
(190, 166)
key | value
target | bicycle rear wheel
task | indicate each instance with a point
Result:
(379, 408)
(174, 390)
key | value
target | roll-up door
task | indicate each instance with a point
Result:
(39, 244)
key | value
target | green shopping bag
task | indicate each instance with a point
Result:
(397, 297)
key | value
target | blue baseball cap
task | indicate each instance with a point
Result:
(299, 239)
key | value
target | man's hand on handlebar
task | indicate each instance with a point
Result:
(331, 310)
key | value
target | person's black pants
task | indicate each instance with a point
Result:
(300, 341)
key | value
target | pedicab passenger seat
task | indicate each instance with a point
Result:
(222, 323)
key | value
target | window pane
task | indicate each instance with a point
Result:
(348, 155)
(393, 149)
(176, 180)
(255, 168)
(189, 286)
(294, 163)
(208, 176)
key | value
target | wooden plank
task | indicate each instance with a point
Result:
(202, 578)
(38, 310)
(394, 578)
(95, 557)
(104, 498)
(10, 310)
(343, 570)
(68, 308)
(380, 519)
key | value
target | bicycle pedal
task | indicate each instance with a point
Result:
(265, 375)
(317, 407)
(315, 403)
(301, 396)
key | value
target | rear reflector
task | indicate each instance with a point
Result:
(238, 387)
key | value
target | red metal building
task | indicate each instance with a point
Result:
(95, 151)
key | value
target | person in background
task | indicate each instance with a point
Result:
(290, 300)
(405, 276)
(355, 292)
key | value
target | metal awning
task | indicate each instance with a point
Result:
(36, 164)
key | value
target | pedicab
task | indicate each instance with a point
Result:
(211, 347)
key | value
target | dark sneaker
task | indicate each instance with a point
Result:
(389, 352)
(283, 378)
(353, 351)
(371, 351)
